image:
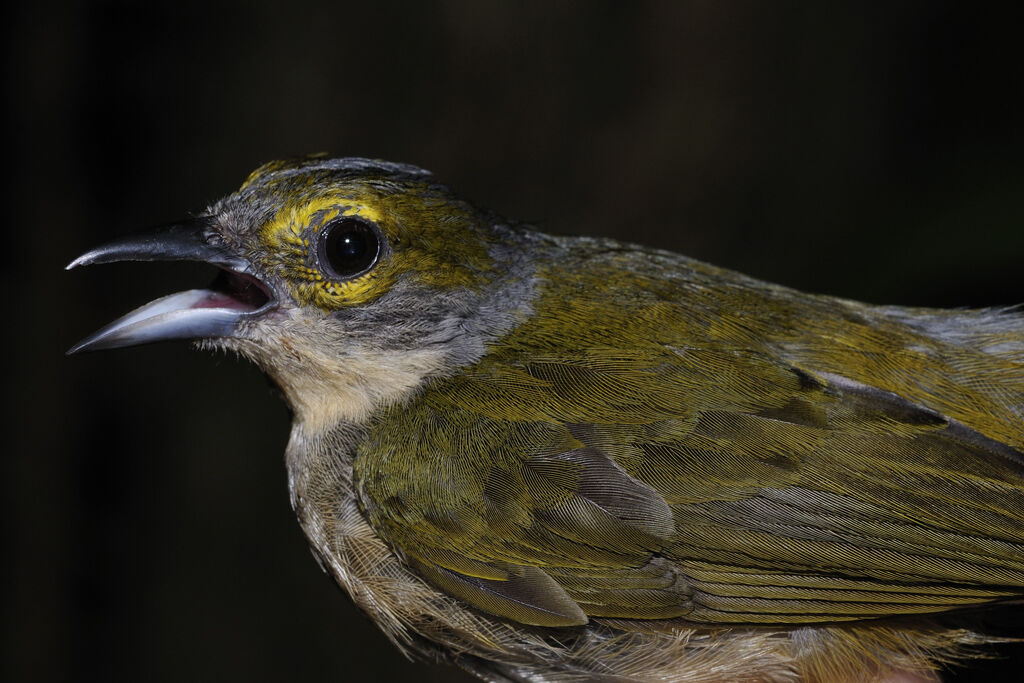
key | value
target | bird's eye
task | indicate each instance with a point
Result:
(349, 247)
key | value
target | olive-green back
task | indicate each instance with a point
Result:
(660, 438)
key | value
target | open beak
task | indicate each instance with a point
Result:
(194, 314)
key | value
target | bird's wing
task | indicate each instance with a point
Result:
(719, 486)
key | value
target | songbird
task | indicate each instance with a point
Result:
(549, 458)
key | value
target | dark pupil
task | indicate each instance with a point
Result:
(351, 247)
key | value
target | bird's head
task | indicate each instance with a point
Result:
(349, 281)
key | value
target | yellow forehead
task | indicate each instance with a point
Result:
(429, 234)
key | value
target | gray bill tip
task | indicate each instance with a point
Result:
(83, 260)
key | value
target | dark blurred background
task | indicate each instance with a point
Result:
(872, 151)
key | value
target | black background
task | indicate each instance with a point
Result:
(872, 152)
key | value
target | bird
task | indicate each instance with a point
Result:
(545, 458)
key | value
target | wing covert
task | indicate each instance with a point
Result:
(777, 497)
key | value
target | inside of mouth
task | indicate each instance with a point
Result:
(236, 291)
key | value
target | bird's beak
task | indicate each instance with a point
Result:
(195, 314)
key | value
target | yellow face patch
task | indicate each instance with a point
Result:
(426, 234)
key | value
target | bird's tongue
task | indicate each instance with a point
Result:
(236, 291)
(220, 300)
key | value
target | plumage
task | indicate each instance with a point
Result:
(716, 448)
(557, 459)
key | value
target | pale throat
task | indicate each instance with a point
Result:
(324, 390)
